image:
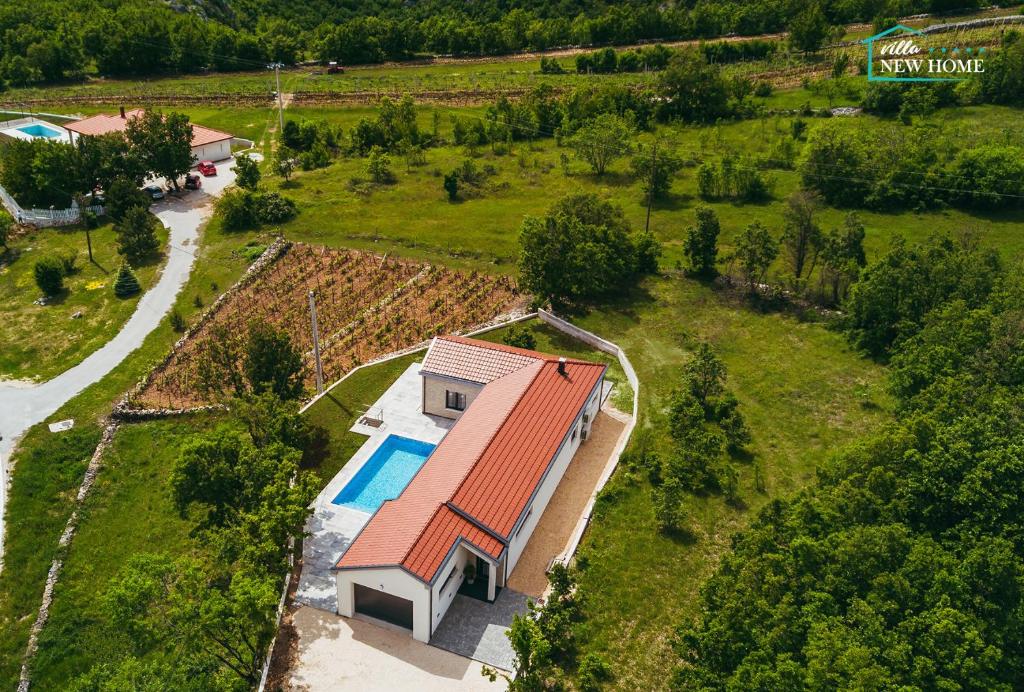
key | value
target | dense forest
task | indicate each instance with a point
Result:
(51, 41)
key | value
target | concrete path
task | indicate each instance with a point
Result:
(23, 406)
(338, 654)
(477, 629)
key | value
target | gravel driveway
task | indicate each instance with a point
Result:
(23, 406)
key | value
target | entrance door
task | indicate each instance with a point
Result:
(383, 606)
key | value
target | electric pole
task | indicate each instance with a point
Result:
(280, 100)
(650, 184)
(316, 345)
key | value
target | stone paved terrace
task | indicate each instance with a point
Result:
(331, 528)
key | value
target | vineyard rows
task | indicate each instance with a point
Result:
(367, 306)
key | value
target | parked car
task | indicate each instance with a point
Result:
(334, 68)
(154, 192)
(193, 182)
(207, 168)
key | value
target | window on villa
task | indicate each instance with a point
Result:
(454, 400)
(575, 431)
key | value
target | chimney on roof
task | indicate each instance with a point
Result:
(561, 365)
(122, 113)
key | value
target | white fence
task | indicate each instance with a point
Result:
(43, 217)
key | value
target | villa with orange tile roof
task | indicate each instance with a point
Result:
(471, 507)
(207, 144)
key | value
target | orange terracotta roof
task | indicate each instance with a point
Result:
(104, 124)
(473, 360)
(479, 479)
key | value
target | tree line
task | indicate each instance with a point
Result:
(52, 42)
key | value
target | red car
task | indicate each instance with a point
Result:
(207, 168)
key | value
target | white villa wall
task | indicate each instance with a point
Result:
(434, 389)
(394, 581)
(547, 488)
(443, 596)
(215, 151)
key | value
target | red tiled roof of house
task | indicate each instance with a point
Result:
(479, 480)
(473, 360)
(104, 124)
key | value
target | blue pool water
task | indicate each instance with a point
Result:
(39, 130)
(385, 474)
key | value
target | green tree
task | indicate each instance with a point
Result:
(808, 29)
(122, 195)
(164, 143)
(603, 140)
(701, 245)
(802, 238)
(842, 257)
(378, 166)
(49, 275)
(755, 251)
(284, 162)
(705, 375)
(126, 284)
(520, 337)
(451, 185)
(247, 172)
(237, 210)
(136, 234)
(271, 362)
(670, 505)
(655, 172)
(694, 90)
(6, 224)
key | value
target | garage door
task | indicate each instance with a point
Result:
(383, 606)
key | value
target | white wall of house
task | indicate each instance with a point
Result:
(570, 444)
(445, 589)
(215, 151)
(435, 397)
(392, 580)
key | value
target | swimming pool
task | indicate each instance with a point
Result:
(40, 130)
(385, 474)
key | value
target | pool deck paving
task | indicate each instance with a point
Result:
(331, 528)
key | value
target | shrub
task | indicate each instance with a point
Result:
(378, 166)
(237, 210)
(247, 172)
(520, 337)
(136, 234)
(126, 284)
(49, 275)
(68, 263)
(271, 207)
(177, 321)
(593, 671)
(451, 185)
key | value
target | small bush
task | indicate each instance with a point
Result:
(593, 671)
(177, 321)
(271, 207)
(237, 210)
(126, 284)
(69, 263)
(49, 275)
(520, 337)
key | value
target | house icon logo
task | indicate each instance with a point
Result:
(902, 54)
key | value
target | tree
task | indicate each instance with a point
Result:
(808, 29)
(655, 173)
(802, 238)
(247, 172)
(580, 250)
(755, 251)
(284, 162)
(669, 505)
(6, 223)
(694, 90)
(704, 375)
(126, 284)
(378, 166)
(271, 362)
(108, 158)
(603, 140)
(49, 276)
(520, 337)
(237, 210)
(701, 246)
(451, 185)
(122, 195)
(136, 234)
(842, 257)
(164, 143)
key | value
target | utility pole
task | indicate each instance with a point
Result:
(650, 184)
(280, 100)
(316, 345)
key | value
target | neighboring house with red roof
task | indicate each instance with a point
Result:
(207, 144)
(520, 417)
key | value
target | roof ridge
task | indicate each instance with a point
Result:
(494, 433)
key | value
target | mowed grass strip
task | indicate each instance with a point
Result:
(41, 341)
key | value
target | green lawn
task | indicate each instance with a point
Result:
(41, 341)
(45, 477)
(803, 392)
(129, 511)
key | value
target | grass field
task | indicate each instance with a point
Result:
(413, 217)
(803, 392)
(41, 341)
